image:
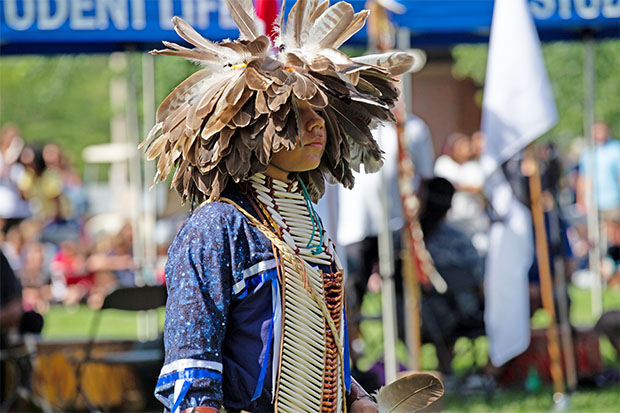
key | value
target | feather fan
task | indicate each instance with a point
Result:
(227, 119)
(409, 394)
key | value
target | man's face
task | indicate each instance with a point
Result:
(600, 132)
(307, 155)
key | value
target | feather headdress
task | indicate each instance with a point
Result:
(226, 120)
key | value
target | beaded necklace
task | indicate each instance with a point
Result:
(295, 219)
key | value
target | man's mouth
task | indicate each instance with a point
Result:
(316, 143)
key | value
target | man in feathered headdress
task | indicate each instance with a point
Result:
(255, 317)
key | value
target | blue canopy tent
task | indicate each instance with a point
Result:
(74, 26)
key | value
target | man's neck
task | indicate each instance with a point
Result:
(276, 173)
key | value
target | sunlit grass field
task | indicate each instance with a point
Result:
(73, 323)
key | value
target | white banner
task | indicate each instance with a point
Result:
(517, 108)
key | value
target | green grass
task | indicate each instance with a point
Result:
(581, 315)
(66, 323)
(74, 323)
(605, 400)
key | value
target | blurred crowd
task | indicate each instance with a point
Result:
(54, 245)
(456, 215)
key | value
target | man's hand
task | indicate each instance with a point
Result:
(364, 405)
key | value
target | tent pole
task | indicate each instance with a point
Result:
(544, 271)
(118, 179)
(149, 198)
(148, 169)
(594, 238)
(388, 304)
(135, 178)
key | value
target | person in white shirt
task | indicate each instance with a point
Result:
(459, 165)
(13, 207)
(360, 216)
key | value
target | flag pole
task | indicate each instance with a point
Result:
(544, 270)
(594, 238)
(377, 23)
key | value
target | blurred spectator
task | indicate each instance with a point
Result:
(609, 325)
(459, 164)
(11, 310)
(360, 219)
(71, 281)
(45, 189)
(112, 264)
(600, 170)
(56, 162)
(459, 311)
(14, 323)
(13, 207)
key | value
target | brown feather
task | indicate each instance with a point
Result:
(195, 55)
(319, 100)
(303, 88)
(223, 113)
(355, 127)
(188, 33)
(321, 63)
(277, 100)
(242, 12)
(359, 19)
(176, 133)
(409, 394)
(396, 63)
(298, 22)
(263, 152)
(260, 106)
(156, 148)
(256, 80)
(235, 92)
(331, 24)
(320, 9)
(245, 114)
(210, 98)
(175, 118)
(259, 46)
(182, 93)
(309, 9)
(238, 48)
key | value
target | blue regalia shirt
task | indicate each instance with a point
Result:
(222, 292)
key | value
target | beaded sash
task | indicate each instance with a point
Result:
(310, 370)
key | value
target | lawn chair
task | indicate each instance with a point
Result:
(142, 354)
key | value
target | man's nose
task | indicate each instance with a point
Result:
(315, 121)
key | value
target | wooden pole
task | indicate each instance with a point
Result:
(566, 332)
(409, 269)
(412, 307)
(544, 270)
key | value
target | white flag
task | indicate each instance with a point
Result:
(517, 108)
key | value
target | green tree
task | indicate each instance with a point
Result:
(65, 99)
(61, 99)
(564, 61)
